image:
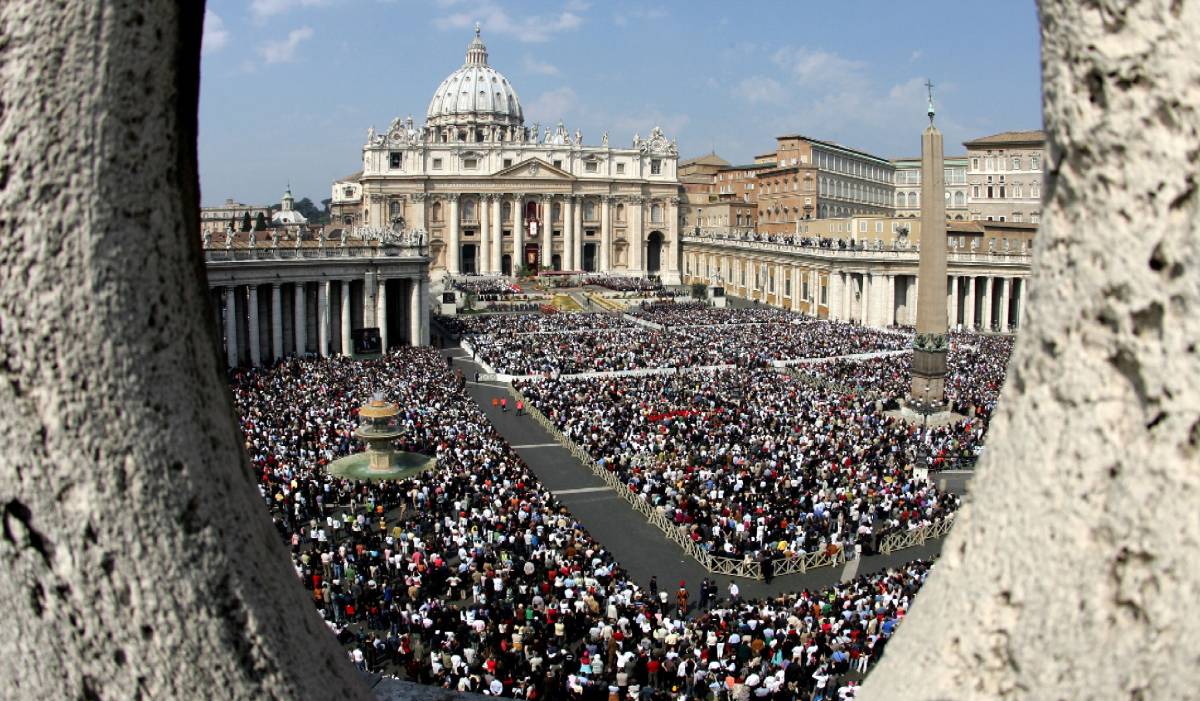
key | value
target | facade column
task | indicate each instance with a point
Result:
(231, 347)
(605, 234)
(847, 296)
(497, 234)
(347, 344)
(368, 300)
(418, 211)
(323, 289)
(252, 330)
(276, 322)
(577, 234)
(969, 303)
(1019, 285)
(985, 319)
(868, 286)
(889, 301)
(547, 232)
(910, 299)
(518, 225)
(299, 317)
(423, 301)
(835, 299)
(814, 289)
(1005, 285)
(797, 277)
(381, 311)
(414, 312)
(952, 302)
(637, 242)
(454, 255)
(485, 236)
(569, 232)
(673, 247)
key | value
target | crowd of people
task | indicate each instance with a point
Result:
(511, 324)
(757, 464)
(486, 285)
(624, 283)
(668, 313)
(474, 577)
(572, 351)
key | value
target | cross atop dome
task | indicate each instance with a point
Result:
(476, 51)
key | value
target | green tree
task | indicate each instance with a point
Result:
(245, 221)
(306, 207)
(260, 222)
(699, 290)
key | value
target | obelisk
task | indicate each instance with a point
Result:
(931, 343)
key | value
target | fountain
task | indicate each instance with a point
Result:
(380, 461)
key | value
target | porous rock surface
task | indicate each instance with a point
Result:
(1073, 569)
(137, 559)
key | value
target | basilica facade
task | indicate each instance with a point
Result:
(495, 196)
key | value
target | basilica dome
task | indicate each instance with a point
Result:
(475, 94)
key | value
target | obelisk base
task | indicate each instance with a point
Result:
(928, 378)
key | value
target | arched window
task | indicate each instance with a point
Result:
(912, 200)
(900, 199)
(960, 199)
(556, 212)
(620, 213)
(589, 210)
(506, 211)
(393, 209)
(436, 212)
(468, 210)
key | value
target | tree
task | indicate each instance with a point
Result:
(245, 221)
(260, 222)
(306, 207)
(136, 559)
(699, 290)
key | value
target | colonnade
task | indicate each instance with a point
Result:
(615, 237)
(881, 295)
(264, 322)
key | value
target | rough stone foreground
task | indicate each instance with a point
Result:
(1069, 571)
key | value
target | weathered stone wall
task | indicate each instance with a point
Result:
(137, 560)
(1071, 572)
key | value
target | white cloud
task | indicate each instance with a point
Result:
(638, 14)
(551, 106)
(532, 65)
(812, 68)
(216, 36)
(760, 89)
(524, 28)
(915, 55)
(284, 50)
(261, 10)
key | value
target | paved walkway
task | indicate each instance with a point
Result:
(640, 547)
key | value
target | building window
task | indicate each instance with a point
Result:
(507, 162)
(558, 164)
(436, 212)
(589, 167)
(348, 192)
(1035, 162)
(556, 212)
(395, 160)
(470, 163)
(975, 191)
(655, 166)
(437, 164)
(1035, 190)
(620, 169)
(1016, 163)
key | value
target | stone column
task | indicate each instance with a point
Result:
(910, 300)
(1019, 285)
(454, 253)
(497, 234)
(547, 231)
(1005, 285)
(672, 266)
(381, 311)
(518, 225)
(797, 276)
(418, 211)
(952, 302)
(276, 322)
(577, 235)
(847, 280)
(423, 301)
(814, 289)
(835, 294)
(252, 339)
(485, 236)
(299, 317)
(414, 312)
(603, 264)
(323, 290)
(569, 232)
(986, 317)
(347, 344)
(889, 301)
(636, 240)
(969, 302)
(231, 319)
(866, 315)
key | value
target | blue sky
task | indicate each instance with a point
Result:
(289, 87)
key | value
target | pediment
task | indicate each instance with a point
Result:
(535, 169)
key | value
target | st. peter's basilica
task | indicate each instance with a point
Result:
(496, 196)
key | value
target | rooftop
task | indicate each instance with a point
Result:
(831, 144)
(1036, 136)
(707, 159)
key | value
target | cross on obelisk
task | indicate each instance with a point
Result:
(931, 342)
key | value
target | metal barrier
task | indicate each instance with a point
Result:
(916, 536)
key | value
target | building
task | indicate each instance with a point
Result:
(908, 187)
(1004, 174)
(496, 196)
(820, 179)
(215, 220)
(864, 269)
(712, 199)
